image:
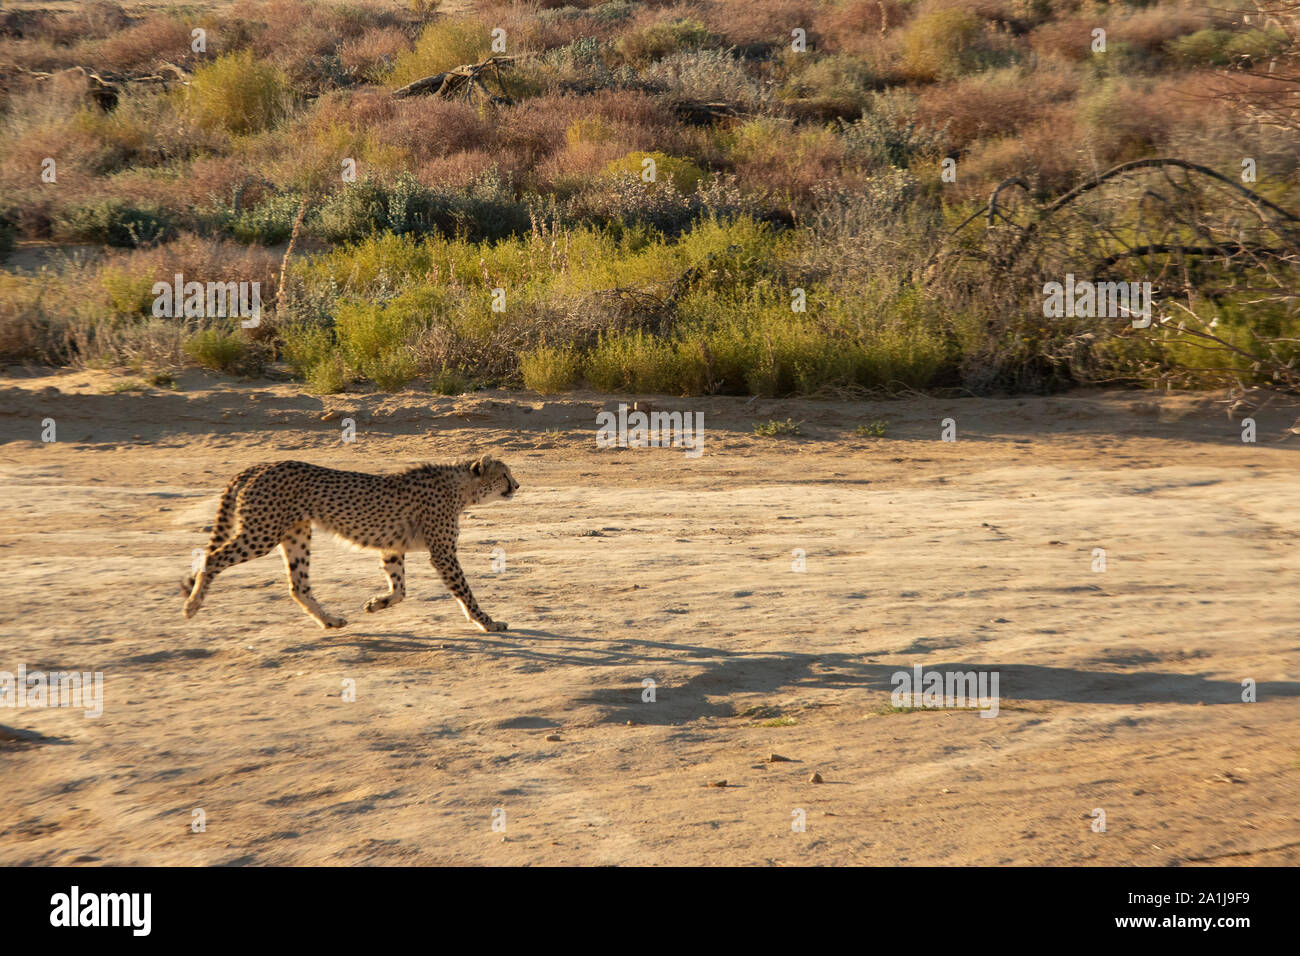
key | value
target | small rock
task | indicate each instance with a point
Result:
(816, 778)
(330, 416)
(777, 758)
(717, 783)
(553, 737)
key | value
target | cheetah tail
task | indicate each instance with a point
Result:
(222, 527)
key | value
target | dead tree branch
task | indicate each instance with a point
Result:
(466, 80)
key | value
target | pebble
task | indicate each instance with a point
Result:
(816, 778)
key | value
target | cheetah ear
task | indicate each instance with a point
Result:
(476, 469)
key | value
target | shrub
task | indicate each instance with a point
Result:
(639, 362)
(442, 46)
(220, 350)
(1212, 47)
(268, 223)
(830, 86)
(327, 377)
(624, 202)
(392, 368)
(890, 133)
(156, 38)
(778, 429)
(783, 160)
(644, 46)
(128, 293)
(238, 93)
(941, 45)
(485, 209)
(550, 370)
(373, 54)
(708, 76)
(374, 337)
(681, 173)
(305, 345)
(113, 222)
(448, 381)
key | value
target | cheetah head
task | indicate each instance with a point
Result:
(492, 480)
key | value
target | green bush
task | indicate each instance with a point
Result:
(374, 337)
(658, 40)
(443, 45)
(114, 222)
(221, 350)
(327, 377)
(942, 44)
(681, 173)
(448, 381)
(127, 294)
(1212, 47)
(639, 362)
(830, 86)
(305, 345)
(550, 370)
(485, 209)
(238, 93)
(268, 223)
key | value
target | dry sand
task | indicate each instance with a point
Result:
(1120, 690)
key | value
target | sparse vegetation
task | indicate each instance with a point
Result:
(778, 429)
(775, 170)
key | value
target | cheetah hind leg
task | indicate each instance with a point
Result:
(242, 547)
(296, 548)
(394, 568)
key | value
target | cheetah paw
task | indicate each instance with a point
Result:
(494, 627)
(329, 622)
(376, 604)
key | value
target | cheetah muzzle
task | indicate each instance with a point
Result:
(276, 504)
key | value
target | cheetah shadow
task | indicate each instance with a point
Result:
(696, 681)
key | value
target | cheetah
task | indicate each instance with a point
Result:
(276, 503)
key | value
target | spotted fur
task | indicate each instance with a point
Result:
(276, 504)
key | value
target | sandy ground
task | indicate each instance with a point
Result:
(1120, 690)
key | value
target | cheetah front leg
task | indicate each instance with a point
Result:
(394, 567)
(296, 548)
(452, 576)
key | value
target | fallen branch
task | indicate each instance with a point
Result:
(700, 113)
(464, 80)
(105, 88)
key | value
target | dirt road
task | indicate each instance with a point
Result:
(1120, 690)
